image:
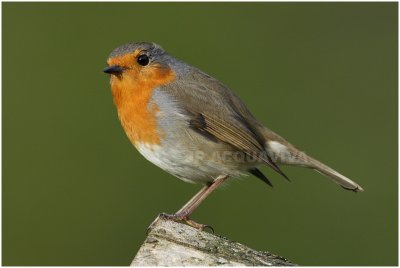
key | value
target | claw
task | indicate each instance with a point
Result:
(209, 227)
(199, 226)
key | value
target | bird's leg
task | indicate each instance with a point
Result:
(187, 210)
(193, 203)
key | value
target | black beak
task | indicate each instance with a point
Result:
(114, 69)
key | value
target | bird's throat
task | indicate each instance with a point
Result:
(136, 111)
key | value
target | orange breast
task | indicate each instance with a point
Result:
(132, 94)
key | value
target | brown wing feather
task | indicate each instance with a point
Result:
(217, 111)
(241, 138)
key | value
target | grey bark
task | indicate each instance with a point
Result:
(169, 243)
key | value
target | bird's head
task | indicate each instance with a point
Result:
(139, 63)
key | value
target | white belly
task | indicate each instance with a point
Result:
(174, 162)
(189, 166)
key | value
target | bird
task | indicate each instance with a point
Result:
(194, 127)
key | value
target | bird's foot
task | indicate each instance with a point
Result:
(178, 217)
(199, 226)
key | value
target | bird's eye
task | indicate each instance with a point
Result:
(143, 60)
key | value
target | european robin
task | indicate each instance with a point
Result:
(193, 126)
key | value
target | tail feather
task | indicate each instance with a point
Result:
(340, 179)
(286, 154)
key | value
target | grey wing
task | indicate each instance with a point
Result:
(216, 112)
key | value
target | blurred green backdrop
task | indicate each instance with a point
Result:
(323, 75)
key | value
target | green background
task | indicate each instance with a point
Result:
(323, 75)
